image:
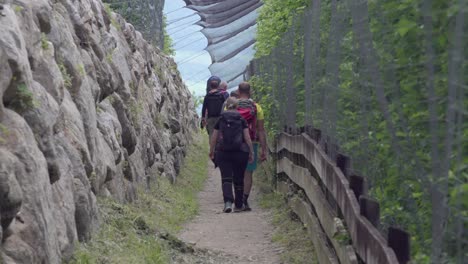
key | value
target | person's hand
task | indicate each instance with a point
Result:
(251, 157)
(263, 156)
(211, 155)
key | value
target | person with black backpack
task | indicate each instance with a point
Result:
(231, 148)
(213, 103)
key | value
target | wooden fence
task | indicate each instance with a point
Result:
(333, 203)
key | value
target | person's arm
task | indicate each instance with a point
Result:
(249, 144)
(262, 138)
(203, 111)
(213, 139)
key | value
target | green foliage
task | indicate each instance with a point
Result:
(197, 100)
(138, 232)
(159, 73)
(109, 12)
(401, 180)
(67, 79)
(44, 41)
(4, 133)
(275, 18)
(109, 57)
(81, 70)
(135, 112)
(168, 43)
(24, 99)
(18, 8)
(159, 121)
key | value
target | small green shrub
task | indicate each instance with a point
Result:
(24, 99)
(44, 41)
(81, 70)
(135, 111)
(168, 42)
(18, 8)
(67, 79)
(159, 121)
(109, 58)
(109, 12)
(4, 133)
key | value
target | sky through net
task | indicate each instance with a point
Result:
(230, 27)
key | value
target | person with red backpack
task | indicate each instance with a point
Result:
(231, 142)
(213, 103)
(253, 113)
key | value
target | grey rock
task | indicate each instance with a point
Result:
(84, 113)
(11, 195)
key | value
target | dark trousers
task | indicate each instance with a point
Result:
(232, 166)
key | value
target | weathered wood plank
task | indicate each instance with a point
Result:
(367, 240)
(324, 254)
(325, 213)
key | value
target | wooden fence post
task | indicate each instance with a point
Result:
(358, 185)
(344, 163)
(317, 135)
(399, 241)
(370, 209)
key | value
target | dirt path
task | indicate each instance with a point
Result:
(239, 237)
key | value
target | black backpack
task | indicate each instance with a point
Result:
(231, 137)
(214, 103)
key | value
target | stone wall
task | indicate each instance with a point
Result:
(88, 108)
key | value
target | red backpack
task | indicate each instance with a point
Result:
(248, 110)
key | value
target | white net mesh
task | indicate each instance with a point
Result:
(230, 27)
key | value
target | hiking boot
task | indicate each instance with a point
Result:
(246, 206)
(238, 209)
(227, 207)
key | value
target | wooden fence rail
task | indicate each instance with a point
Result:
(330, 198)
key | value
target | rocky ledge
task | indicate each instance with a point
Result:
(88, 108)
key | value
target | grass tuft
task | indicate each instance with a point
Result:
(139, 232)
(109, 11)
(67, 79)
(44, 41)
(289, 231)
(24, 99)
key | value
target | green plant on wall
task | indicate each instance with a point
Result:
(24, 99)
(109, 11)
(44, 41)
(67, 79)
(4, 133)
(168, 43)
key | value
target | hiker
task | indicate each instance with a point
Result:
(233, 94)
(212, 104)
(210, 83)
(253, 113)
(223, 86)
(231, 141)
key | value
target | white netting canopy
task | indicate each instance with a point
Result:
(230, 27)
